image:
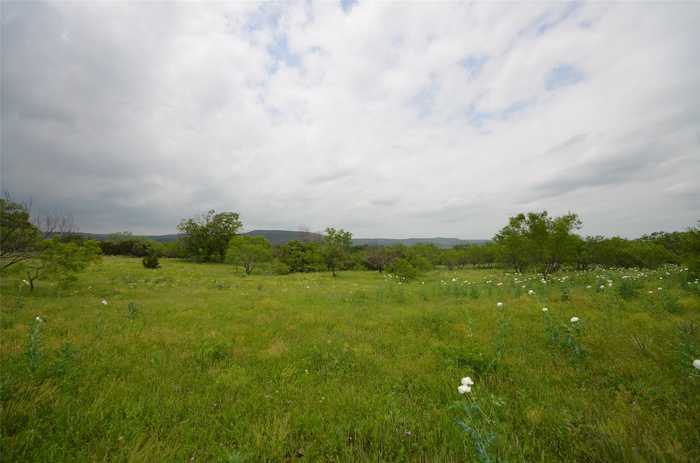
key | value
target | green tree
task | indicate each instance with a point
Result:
(403, 269)
(60, 260)
(248, 251)
(300, 256)
(207, 237)
(536, 239)
(335, 247)
(18, 236)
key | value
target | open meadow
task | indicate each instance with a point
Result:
(196, 362)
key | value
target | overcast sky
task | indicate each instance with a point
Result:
(391, 119)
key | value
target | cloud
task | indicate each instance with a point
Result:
(386, 119)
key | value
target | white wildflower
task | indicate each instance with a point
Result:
(531, 292)
(545, 309)
(39, 319)
(464, 389)
(466, 381)
(696, 363)
(574, 319)
(499, 305)
(104, 302)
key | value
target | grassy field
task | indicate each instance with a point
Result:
(194, 362)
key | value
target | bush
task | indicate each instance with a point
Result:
(151, 261)
(420, 263)
(627, 289)
(693, 269)
(280, 268)
(403, 269)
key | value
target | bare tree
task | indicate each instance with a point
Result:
(52, 224)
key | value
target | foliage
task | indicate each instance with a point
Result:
(536, 239)
(151, 261)
(207, 237)
(420, 263)
(300, 256)
(280, 268)
(127, 245)
(403, 269)
(60, 260)
(379, 257)
(335, 248)
(18, 236)
(248, 251)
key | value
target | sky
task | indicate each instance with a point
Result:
(387, 119)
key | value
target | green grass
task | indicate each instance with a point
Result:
(207, 365)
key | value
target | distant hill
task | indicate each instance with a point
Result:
(277, 237)
(284, 236)
(439, 242)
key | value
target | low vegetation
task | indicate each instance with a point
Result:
(191, 361)
(524, 349)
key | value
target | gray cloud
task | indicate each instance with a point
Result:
(133, 116)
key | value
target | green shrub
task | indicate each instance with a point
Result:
(280, 268)
(421, 264)
(627, 290)
(151, 261)
(403, 269)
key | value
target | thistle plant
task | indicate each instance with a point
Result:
(573, 332)
(501, 334)
(550, 328)
(131, 311)
(687, 346)
(476, 423)
(33, 349)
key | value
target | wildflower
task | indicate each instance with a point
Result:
(696, 364)
(602, 286)
(574, 319)
(464, 389)
(104, 302)
(25, 282)
(499, 305)
(466, 381)
(545, 309)
(39, 319)
(531, 292)
(659, 289)
(588, 287)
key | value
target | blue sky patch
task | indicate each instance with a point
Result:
(563, 76)
(473, 64)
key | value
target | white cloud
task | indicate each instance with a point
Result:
(385, 119)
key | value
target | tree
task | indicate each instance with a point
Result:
(18, 236)
(207, 237)
(248, 251)
(537, 239)
(335, 247)
(61, 260)
(300, 256)
(380, 257)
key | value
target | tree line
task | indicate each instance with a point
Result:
(534, 241)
